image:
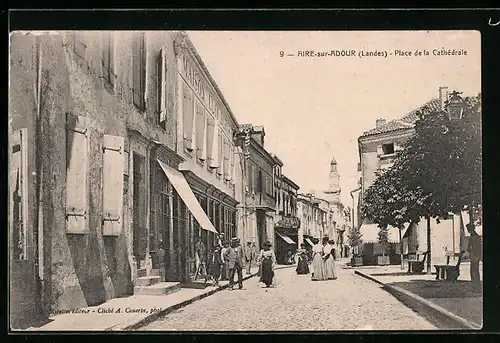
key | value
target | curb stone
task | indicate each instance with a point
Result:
(152, 317)
(399, 293)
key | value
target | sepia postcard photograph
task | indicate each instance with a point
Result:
(168, 181)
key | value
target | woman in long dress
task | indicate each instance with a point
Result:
(302, 265)
(215, 264)
(318, 264)
(266, 262)
(329, 259)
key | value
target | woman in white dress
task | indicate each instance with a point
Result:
(329, 259)
(318, 264)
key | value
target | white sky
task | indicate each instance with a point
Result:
(316, 108)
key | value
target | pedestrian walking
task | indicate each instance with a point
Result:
(234, 259)
(267, 262)
(329, 258)
(215, 263)
(248, 257)
(318, 264)
(224, 267)
(201, 259)
(475, 254)
(302, 265)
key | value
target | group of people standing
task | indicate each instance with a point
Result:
(323, 263)
(226, 260)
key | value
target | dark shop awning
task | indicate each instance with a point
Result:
(182, 187)
(285, 238)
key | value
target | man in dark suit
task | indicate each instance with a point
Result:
(234, 260)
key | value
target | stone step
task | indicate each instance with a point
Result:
(161, 288)
(147, 280)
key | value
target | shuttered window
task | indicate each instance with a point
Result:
(77, 147)
(212, 142)
(227, 164)
(108, 57)
(201, 140)
(220, 169)
(188, 118)
(139, 70)
(162, 88)
(231, 160)
(18, 194)
(112, 185)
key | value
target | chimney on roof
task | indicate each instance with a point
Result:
(379, 122)
(443, 96)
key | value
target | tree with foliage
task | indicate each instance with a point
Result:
(437, 172)
(443, 159)
(354, 237)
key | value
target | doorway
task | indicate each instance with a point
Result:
(140, 238)
(261, 227)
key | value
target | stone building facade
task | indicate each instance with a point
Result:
(113, 137)
(259, 206)
(377, 149)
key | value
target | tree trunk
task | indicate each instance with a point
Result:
(429, 270)
(401, 253)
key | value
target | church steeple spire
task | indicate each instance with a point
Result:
(334, 188)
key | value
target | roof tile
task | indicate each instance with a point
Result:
(404, 122)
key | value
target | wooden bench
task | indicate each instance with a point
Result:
(449, 272)
(417, 266)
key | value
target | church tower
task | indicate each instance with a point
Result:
(334, 189)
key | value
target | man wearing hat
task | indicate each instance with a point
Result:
(233, 257)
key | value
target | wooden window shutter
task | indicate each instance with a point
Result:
(112, 185)
(162, 88)
(77, 146)
(139, 71)
(215, 160)
(232, 161)
(18, 193)
(220, 168)
(380, 150)
(201, 126)
(188, 117)
(210, 140)
(226, 159)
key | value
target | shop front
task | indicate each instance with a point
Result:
(220, 210)
(286, 237)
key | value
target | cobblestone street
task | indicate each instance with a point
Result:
(296, 303)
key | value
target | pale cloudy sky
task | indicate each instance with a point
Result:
(315, 108)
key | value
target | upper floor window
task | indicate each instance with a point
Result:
(139, 70)
(162, 88)
(388, 149)
(108, 56)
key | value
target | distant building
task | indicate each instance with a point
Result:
(377, 149)
(336, 221)
(260, 191)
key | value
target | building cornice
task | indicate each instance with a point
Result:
(262, 151)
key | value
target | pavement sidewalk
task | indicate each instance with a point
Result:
(458, 304)
(129, 313)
